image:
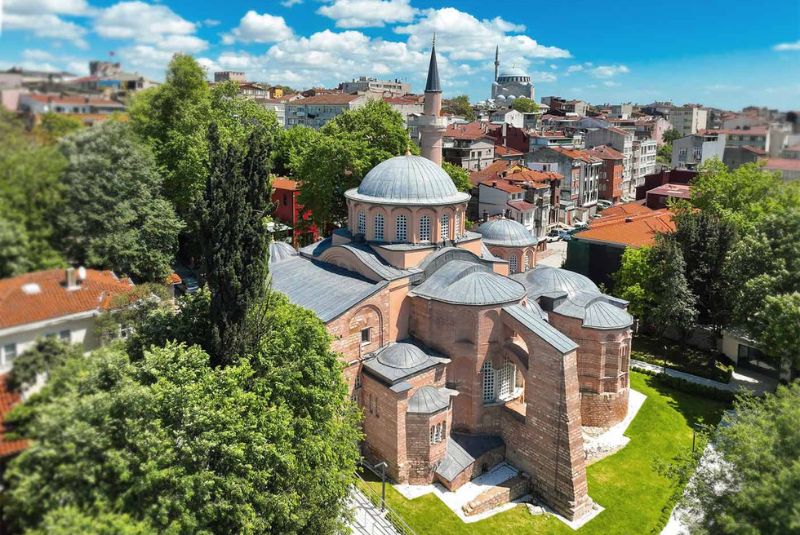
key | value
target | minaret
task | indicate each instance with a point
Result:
(432, 125)
(496, 62)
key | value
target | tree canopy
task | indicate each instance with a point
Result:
(459, 106)
(525, 105)
(458, 175)
(112, 214)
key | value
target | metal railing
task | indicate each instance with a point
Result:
(372, 520)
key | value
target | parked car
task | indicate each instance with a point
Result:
(602, 204)
(565, 235)
(553, 235)
(189, 280)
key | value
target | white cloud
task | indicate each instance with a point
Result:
(609, 71)
(211, 23)
(259, 28)
(42, 7)
(575, 68)
(368, 13)
(543, 77)
(611, 83)
(48, 26)
(37, 55)
(290, 3)
(783, 47)
(464, 37)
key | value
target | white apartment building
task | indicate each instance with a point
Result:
(689, 119)
(317, 110)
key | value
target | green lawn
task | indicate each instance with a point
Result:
(662, 352)
(625, 483)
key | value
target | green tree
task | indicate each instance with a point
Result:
(459, 106)
(675, 305)
(29, 192)
(781, 334)
(112, 214)
(671, 135)
(664, 154)
(54, 126)
(45, 355)
(234, 238)
(71, 520)
(458, 175)
(289, 143)
(632, 280)
(753, 485)
(179, 446)
(525, 105)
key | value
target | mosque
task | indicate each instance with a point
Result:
(510, 84)
(458, 363)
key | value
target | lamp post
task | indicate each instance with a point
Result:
(382, 465)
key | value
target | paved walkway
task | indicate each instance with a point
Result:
(367, 518)
(747, 379)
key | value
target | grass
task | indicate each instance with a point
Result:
(635, 497)
(686, 359)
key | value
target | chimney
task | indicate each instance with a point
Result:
(71, 278)
(629, 219)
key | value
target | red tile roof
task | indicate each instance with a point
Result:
(626, 209)
(681, 191)
(491, 171)
(8, 400)
(756, 150)
(502, 185)
(500, 150)
(42, 295)
(72, 99)
(782, 164)
(470, 131)
(575, 154)
(753, 131)
(523, 174)
(521, 206)
(285, 183)
(629, 230)
(605, 152)
(327, 98)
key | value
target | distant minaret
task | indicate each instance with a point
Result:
(432, 125)
(496, 62)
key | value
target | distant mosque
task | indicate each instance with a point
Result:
(509, 84)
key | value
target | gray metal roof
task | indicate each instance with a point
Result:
(428, 399)
(432, 84)
(317, 248)
(407, 180)
(327, 290)
(541, 328)
(576, 296)
(462, 450)
(486, 254)
(279, 251)
(401, 360)
(469, 283)
(506, 233)
(369, 258)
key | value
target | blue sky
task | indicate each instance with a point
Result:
(728, 54)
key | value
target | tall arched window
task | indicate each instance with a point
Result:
(512, 263)
(457, 230)
(425, 228)
(524, 262)
(379, 227)
(362, 223)
(401, 228)
(445, 222)
(506, 380)
(529, 260)
(488, 382)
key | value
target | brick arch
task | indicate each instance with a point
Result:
(354, 325)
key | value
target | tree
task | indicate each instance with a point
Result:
(112, 215)
(459, 106)
(664, 154)
(29, 192)
(289, 143)
(670, 136)
(70, 520)
(458, 175)
(234, 239)
(752, 482)
(54, 126)
(525, 105)
(675, 305)
(45, 355)
(632, 279)
(781, 335)
(179, 446)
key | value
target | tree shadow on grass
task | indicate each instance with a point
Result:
(695, 408)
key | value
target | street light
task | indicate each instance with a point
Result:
(382, 465)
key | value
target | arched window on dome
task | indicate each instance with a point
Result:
(512, 263)
(401, 228)
(425, 228)
(445, 225)
(379, 227)
(362, 223)
(457, 229)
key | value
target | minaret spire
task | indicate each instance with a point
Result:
(496, 62)
(432, 125)
(432, 85)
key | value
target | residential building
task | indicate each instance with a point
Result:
(672, 176)
(57, 303)
(33, 77)
(224, 76)
(645, 127)
(253, 90)
(791, 152)
(468, 145)
(622, 141)
(689, 119)
(643, 162)
(317, 110)
(289, 211)
(109, 78)
(406, 106)
(787, 167)
(621, 111)
(597, 251)
(737, 156)
(689, 152)
(579, 188)
(456, 363)
(277, 106)
(387, 88)
(10, 90)
(610, 181)
(508, 116)
(661, 196)
(757, 136)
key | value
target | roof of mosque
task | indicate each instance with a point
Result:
(575, 296)
(507, 233)
(280, 251)
(468, 283)
(400, 360)
(428, 399)
(512, 71)
(407, 180)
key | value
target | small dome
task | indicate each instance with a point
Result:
(402, 355)
(428, 400)
(545, 279)
(506, 233)
(512, 97)
(468, 283)
(410, 180)
(279, 251)
(501, 97)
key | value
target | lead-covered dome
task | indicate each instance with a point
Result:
(402, 355)
(407, 180)
(506, 233)
(512, 72)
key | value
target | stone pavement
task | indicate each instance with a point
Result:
(742, 378)
(367, 518)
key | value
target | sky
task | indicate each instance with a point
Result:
(726, 54)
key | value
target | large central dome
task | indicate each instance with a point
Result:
(409, 180)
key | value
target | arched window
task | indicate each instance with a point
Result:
(401, 228)
(425, 228)
(362, 223)
(445, 222)
(530, 260)
(488, 382)
(506, 380)
(525, 258)
(457, 230)
(512, 263)
(379, 227)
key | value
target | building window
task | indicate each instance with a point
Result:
(358, 380)
(438, 432)
(362, 223)
(524, 262)
(379, 227)
(425, 228)
(365, 336)
(506, 380)
(488, 382)
(433, 434)
(9, 353)
(401, 228)
(65, 336)
(512, 263)
(445, 222)
(457, 230)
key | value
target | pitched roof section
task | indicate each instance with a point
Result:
(285, 183)
(42, 295)
(432, 84)
(327, 98)
(8, 399)
(549, 334)
(604, 152)
(782, 164)
(681, 191)
(629, 229)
